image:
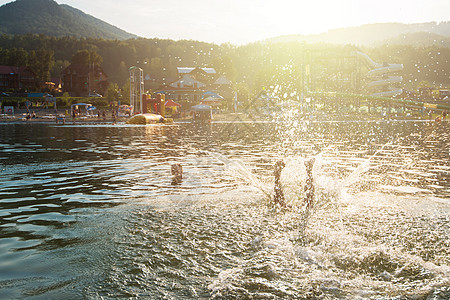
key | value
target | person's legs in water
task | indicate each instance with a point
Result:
(309, 184)
(177, 172)
(278, 195)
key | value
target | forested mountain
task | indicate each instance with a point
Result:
(376, 34)
(49, 18)
(252, 67)
(60, 31)
(419, 39)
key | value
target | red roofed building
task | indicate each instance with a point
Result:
(16, 78)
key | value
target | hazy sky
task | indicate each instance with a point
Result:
(242, 21)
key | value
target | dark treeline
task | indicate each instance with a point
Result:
(157, 57)
(41, 61)
(287, 68)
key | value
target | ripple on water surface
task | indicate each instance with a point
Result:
(96, 215)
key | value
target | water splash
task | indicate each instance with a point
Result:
(212, 236)
(293, 178)
(238, 169)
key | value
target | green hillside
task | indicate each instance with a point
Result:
(419, 39)
(49, 18)
(376, 34)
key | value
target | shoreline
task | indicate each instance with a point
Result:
(51, 118)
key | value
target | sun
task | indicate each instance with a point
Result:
(304, 17)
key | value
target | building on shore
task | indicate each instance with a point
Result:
(80, 80)
(196, 84)
(17, 78)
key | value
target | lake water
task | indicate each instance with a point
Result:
(89, 211)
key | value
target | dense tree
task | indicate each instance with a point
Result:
(58, 67)
(225, 65)
(125, 92)
(86, 57)
(113, 92)
(288, 68)
(18, 57)
(40, 61)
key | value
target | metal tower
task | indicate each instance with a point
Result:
(136, 89)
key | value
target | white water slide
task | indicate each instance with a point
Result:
(380, 78)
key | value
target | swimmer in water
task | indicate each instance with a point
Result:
(279, 195)
(309, 184)
(177, 172)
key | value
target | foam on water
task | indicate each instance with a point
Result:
(322, 243)
(99, 217)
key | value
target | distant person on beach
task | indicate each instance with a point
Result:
(113, 115)
(104, 115)
(177, 172)
(278, 190)
(309, 184)
(444, 115)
